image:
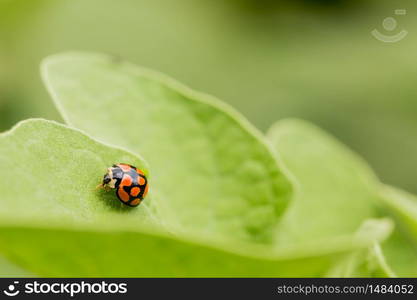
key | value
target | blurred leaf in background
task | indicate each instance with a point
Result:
(314, 60)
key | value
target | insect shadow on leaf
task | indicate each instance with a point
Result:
(110, 199)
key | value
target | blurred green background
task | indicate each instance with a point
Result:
(315, 60)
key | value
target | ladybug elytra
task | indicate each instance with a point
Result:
(130, 183)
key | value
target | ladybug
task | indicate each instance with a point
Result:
(130, 183)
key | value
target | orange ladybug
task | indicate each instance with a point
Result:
(130, 183)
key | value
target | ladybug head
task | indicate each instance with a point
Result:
(106, 179)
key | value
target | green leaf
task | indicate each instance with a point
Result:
(402, 206)
(53, 222)
(363, 263)
(101, 250)
(53, 168)
(212, 172)
(9, 269)
(335, 192)
(401, 248)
